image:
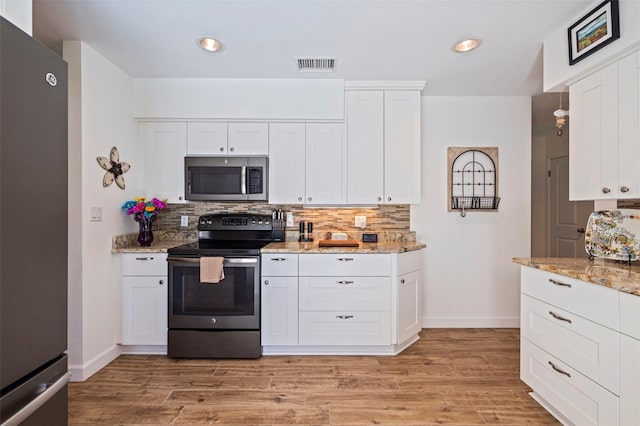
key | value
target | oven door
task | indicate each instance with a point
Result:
(232, 304)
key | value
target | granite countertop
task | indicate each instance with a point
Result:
(607, 273)
(160, 246)
(365, 248)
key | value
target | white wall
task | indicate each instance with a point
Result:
(19, 12)
(558, 72)
(469, 279)
(100, 117)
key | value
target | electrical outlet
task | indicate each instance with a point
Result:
(184, 221)
(289, 219)
(361, 222)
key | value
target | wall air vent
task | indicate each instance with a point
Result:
(316, 64)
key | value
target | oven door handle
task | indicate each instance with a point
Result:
(226, 260)
(243, 180)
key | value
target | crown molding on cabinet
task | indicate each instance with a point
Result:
(384, 85)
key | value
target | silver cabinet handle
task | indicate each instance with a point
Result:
(606, 190)
(266, 282)
(345, 259)
(161, 282)
(379, 198)
(181, 198)
(38, 402)
(279, 259)
(558, 317)
(624, 189)
(558, 369)
(221, 149)
(344, 316)
(402, 281)
(232, 149)
(299, 198)
(345, 282)
(309, 199)
(552, 281)
(144, 258)
(388, 198)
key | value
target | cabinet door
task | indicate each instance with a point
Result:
(629, 381)
(365, 147)
(409, 323)
(286, 163)
(279, 311)
(248, 139)
(144, 309)
(402, 147)
(324, 164)
(164, 148)
(593, 136)
(206, 138)
(629, 131)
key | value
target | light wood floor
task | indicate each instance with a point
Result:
(450, 376)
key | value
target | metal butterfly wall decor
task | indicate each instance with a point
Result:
(115, 169)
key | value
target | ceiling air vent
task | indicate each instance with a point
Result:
(316, 64)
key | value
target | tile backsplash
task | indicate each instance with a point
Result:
(391, 221)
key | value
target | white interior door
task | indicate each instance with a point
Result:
(567, 219)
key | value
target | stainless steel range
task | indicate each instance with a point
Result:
(219, 320)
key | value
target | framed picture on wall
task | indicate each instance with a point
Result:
(593, 31)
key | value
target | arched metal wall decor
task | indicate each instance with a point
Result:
(473, 179)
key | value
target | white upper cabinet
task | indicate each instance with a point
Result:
(604, 144)
(324, 164)
(286, 163)
(248, 139)
(227, 139)
(206, 138)
(383, 147)
(164, 146)
(365, 146)
(402, 147)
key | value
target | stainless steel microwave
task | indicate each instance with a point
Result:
(226, 178)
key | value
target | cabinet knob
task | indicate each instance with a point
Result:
(161, 282)
(606, 190)
(309, 198)
(402, 281)
(144, 258)
(581, 230)
(181, 198)
(624, 189)
(221, 149)
(232, 149)
(388, 198)
(299, 198)
(379, 198)
(266, 282)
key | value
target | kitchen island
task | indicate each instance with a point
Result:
(580, 338)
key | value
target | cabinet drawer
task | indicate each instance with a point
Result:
(280, 265)
(589, 348)
(579, 399)
(144, 264)
(599, 304)
(340, 293)
(340, 328)
(630, 315)
(342, 264)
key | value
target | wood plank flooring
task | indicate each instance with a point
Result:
(450, 376)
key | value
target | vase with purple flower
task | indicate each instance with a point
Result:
(144, 212)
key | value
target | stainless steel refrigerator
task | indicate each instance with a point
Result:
(33, 231)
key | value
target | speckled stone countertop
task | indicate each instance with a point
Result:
(602, 272)
(160, 246)
(365, 248)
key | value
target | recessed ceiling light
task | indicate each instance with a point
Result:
(466, 45)
(209, 44)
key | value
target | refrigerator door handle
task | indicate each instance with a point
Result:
(38, 402)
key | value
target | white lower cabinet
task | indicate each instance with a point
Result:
(340, 302)
(579, 349)
(144, 299)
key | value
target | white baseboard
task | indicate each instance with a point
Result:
(144, 349)
(469, 322)
(80, 373)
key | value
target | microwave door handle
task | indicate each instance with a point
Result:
(243, 180)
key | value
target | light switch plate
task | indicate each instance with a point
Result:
(361, 222)
(96, 213)
(289, 219)
(184, 221)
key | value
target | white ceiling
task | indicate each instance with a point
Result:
(371, 39)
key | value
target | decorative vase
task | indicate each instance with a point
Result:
(145, 235)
